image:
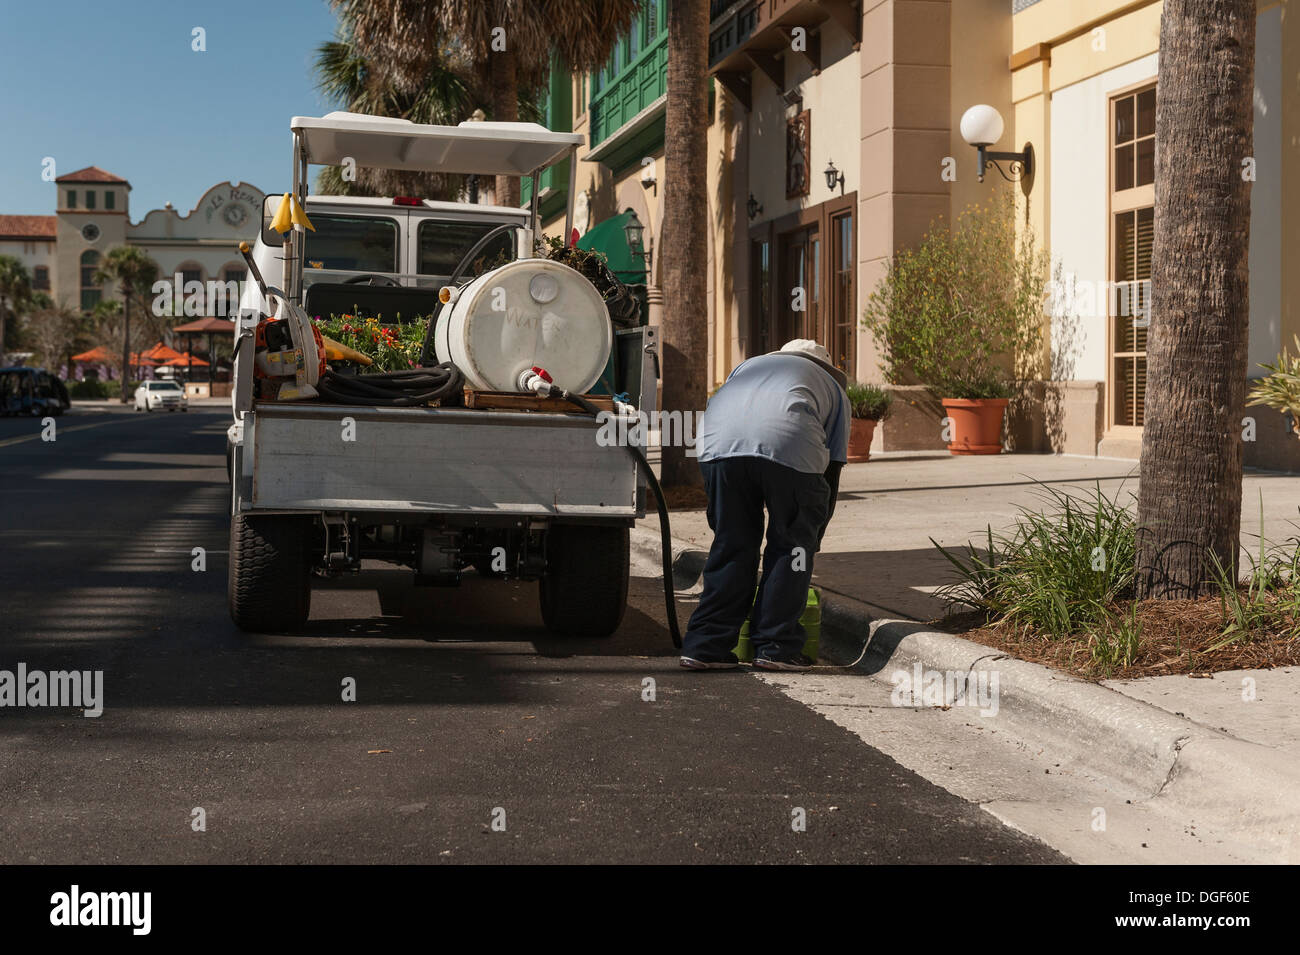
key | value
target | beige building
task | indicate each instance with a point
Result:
(92, 215)
(873, 92)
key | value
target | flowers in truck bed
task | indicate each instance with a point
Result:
(391, 347)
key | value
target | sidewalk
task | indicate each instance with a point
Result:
(1218, 755)
(877, 549)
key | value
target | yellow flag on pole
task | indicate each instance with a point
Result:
(283, 220)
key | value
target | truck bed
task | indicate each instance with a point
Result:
(433, 460)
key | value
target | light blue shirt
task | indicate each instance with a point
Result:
(785, 408)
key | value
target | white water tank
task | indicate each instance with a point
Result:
(530, 313)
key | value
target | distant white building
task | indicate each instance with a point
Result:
(62, 251)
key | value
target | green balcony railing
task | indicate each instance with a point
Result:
(635, 77)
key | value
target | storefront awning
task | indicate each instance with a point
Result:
(610, 237)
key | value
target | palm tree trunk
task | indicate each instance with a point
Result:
(126, 346)
(685, 239)
(1190, 493)
(505, 109)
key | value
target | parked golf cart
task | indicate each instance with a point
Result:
(32, 391)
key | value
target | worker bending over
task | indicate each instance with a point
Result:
(775, 435)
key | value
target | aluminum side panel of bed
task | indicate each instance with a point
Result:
(437, 460)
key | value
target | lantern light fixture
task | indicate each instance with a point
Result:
(834, 178)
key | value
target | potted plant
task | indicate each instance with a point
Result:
(868, 404)
(962, 313)
(1281, 388)
(974, 416)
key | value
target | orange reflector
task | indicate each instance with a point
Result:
(444, 294)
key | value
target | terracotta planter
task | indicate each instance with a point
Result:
(976, 424)
(861, 431)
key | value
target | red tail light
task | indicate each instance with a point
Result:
(408, 201)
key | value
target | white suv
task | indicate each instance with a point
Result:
(156, 395)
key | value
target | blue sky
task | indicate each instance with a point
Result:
(116, 85)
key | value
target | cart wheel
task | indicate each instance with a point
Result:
(269, 587)
(584, 589)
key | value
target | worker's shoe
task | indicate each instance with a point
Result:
(797, 662)
(694, 663)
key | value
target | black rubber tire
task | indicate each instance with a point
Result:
(269, 588)
(584, 589)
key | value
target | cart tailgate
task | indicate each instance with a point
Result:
(436, 460)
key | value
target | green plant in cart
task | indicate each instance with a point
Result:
(395, 347)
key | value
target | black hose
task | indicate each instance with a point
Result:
(394, 389)
(665, 531)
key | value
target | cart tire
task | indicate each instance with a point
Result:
(584, 589)
(270, 575)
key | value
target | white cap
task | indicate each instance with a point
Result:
(818, 353)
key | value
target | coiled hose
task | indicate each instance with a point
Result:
(394, 389)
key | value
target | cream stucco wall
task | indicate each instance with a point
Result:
(31, 254)
(1079, 221)
(832, 99)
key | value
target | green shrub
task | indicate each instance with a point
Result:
(1059, 569)
(962, 312)
(1281, 388)
(869, 401)
(90, 389)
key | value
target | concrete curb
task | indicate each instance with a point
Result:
(1242, 790)
(688, 564)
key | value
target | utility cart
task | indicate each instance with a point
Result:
(320, 486)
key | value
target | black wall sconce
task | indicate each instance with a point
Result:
(635, 233)
(834, 177)
(753, 207)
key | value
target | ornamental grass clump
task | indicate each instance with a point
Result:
(1059, 569)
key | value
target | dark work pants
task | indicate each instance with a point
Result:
(797, 508)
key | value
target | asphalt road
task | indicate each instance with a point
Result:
(466, 710)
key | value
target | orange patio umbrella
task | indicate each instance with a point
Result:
(97, 354)
(185, 359)
(161, 352)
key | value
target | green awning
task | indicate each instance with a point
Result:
(610, 238)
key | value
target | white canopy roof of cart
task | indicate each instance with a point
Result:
(507, 149)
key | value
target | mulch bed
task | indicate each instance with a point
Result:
(1176, 638)
(685, 498)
